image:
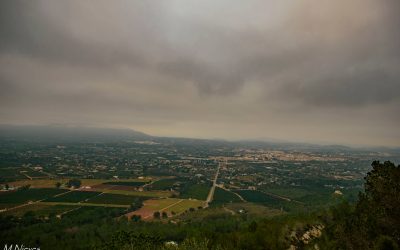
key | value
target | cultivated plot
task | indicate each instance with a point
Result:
(13, 198)
(74, 196)
(118, 199)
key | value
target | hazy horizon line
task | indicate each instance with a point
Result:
(262, 139)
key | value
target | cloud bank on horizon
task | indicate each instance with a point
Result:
(307, 70)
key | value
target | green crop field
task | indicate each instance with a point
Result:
(253, 209)
(37, 183)
(35, 174)
(126, 183)
(184, 205)
(271, 201)
(155, 194)
(258, 197)
(290, 192)
(114, 199)
(222, 196)
(165, 184)
(23, 196)
(159, 204)
(196, 191)
(51, 183)
(75, 196)
(83, 204)
(10, 174)
(94, 213)
(40, 209)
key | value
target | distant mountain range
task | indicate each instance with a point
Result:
(59, 133)
(69, 133)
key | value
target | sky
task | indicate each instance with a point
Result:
(317, 71)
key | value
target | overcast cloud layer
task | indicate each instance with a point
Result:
(304, 70)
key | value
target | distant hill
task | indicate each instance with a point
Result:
(69, 134)
(59, 133)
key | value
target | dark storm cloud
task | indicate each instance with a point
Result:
(354, 88)
(26, 29)
(207, 79)
(223, 68)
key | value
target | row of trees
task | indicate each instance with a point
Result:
(164, 215)
(72, 183)
(158, 215)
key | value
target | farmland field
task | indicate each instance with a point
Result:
(160, 204)
(253, 209)
(165, 184)
(165, 205)
(151, 206)
(22, 196)
(90, 182)
(258, 197)
(9, 174)
(40, 209)
(184, 205)
(92, 213)
(272, 200)
(8, 205)
(50, 183)
(223, 196)
(83, 204)
(36, 174)
(120, 199)
(126, 183)
(156, 194)
(292, 193)
(37, 183)
(75, 196)
(196, 191)
(114, 187)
